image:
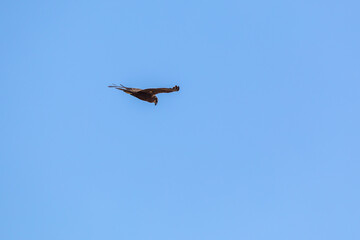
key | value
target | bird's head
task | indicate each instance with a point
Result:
(155, 100)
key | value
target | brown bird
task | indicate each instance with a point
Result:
(146, 94)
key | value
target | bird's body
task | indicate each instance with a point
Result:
(148, 95)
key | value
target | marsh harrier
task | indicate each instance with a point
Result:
(148, 94)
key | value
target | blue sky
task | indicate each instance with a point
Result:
(261, 142)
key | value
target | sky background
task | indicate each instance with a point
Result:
(261, 141)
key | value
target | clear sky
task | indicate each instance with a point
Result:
(261, 142)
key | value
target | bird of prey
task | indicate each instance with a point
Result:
(148, 94)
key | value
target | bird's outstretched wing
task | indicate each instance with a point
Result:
(161, 90)
(126, 89)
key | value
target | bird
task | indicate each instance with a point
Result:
(148, 95)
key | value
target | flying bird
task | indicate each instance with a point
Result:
(148, 94)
